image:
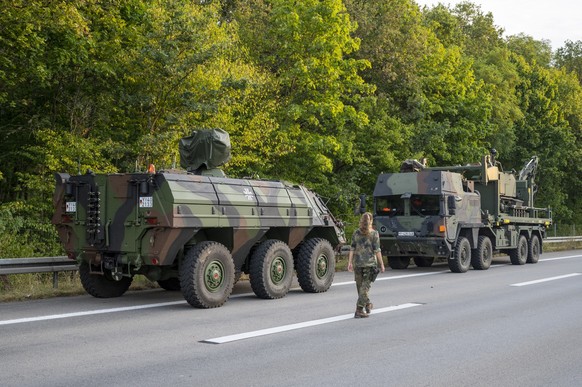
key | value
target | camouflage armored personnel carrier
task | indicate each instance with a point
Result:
(195, 230)
(462, 214)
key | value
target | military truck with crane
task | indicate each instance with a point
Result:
(195, 230)
(461, 214)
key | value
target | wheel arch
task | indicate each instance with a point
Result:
(471, 233)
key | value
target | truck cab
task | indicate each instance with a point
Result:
(420, 214)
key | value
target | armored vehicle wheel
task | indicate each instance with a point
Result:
(461, 259)
(398, 263)
(207, 275)
(315, 265)
(271, 269)
(481, 256)
(423, 261)
(171, 284)
(518, 256)
(533, 252)
(102, 286)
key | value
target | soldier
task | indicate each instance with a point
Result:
(366, 249)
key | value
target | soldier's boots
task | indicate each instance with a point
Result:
(360, 313)
(369, 307)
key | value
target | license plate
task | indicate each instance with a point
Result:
(406, 233)
(71, 207)
(146, 202)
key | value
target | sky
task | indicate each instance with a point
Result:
(553, 20)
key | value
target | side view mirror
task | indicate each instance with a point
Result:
(359, 210)
(452, 205)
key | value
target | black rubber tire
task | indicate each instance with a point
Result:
(398, 263)
(461, 259)
(207, 275)
(423, 261)
(170, 284)
(102, 286)
(315, 265)
(533, 251)
(518, 256)
(271, 269)
(482, 256)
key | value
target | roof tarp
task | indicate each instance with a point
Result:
(207, 147)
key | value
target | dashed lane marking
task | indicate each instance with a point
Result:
(87, 313)
(546, 279)
(306, 324)
(560, 258)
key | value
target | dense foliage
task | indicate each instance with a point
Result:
(322, 92)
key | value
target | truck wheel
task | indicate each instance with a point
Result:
(315, 265)
(271, 269)
(102, 286)
(533, 252)
(171, 284)
(398, 263)
(481, 257)
(518, 256)
(207, 275)
(461, 259)
(423, 261)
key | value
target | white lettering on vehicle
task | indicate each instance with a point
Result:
(248, 194)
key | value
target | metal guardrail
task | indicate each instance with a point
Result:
(62, 263)
(38, 265)
(563, 239)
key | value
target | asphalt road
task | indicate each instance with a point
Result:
(507, 326)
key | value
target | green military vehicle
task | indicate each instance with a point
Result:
(463, 214)
(195, 230)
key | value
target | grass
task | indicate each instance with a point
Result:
(549, 247)
(20, 287)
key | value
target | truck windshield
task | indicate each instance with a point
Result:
(423, 205)
(389, 205)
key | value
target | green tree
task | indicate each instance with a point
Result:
(569, 57)
(534, 51)
(545, 132)
(482, 41)
(40, 45)
(100, 85)
(394, 41)
(456, 107)
(306, 46)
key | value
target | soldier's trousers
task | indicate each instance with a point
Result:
(363, 277)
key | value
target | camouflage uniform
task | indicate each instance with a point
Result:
(364, 248)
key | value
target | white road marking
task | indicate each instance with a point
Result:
(306, 324)
(88, 313)
(102, 311)
(546, 279)
(560, 258)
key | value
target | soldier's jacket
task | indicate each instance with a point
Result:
(365, 248)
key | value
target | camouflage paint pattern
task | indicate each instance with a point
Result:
(143, 221)
(472, 200)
